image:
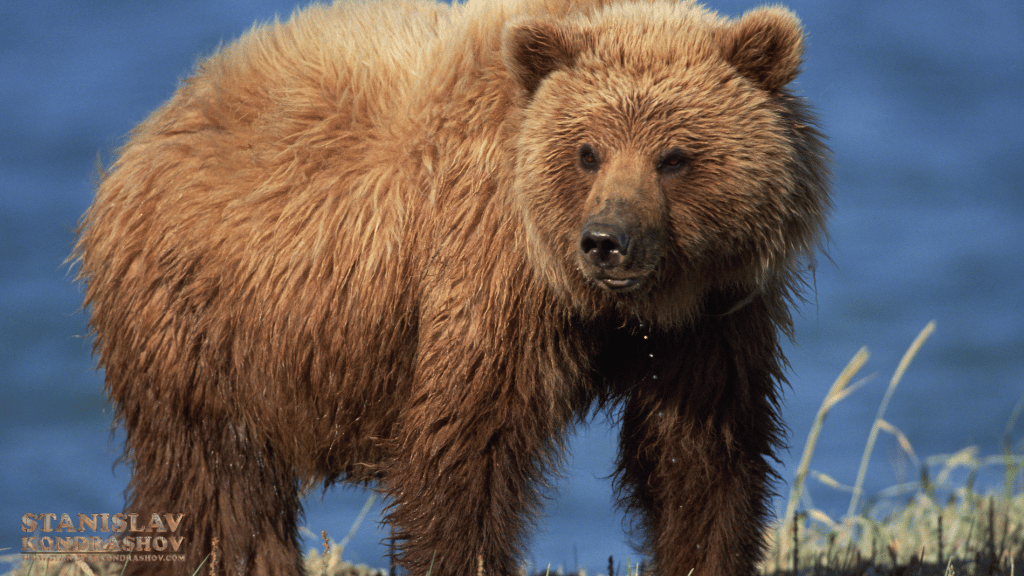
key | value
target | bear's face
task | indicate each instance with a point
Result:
(659, 156)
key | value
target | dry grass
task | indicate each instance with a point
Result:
(964, 534)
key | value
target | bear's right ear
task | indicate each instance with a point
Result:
(766, 45)
(534, 48)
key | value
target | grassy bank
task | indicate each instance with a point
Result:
(923, 528)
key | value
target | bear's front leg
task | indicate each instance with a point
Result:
(465, 482)
(472, 450)
(695, 440)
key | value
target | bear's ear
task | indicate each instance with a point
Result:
(534, 48)
(766, 46)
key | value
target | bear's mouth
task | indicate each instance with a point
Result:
(619, 284)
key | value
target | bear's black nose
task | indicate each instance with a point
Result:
(606, 245)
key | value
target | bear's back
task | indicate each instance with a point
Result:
(245, 221)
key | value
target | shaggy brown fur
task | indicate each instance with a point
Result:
(416, 243)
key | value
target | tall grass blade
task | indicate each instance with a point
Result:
(355, 525)
(858, 486)
(837, 392)
(1012, 466)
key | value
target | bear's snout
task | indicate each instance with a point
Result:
(625, 223)
(617, 256)
(605, 245)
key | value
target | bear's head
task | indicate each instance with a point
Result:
(660, 157)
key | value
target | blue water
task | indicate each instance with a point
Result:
(923, 104)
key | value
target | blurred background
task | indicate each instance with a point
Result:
(923, 105)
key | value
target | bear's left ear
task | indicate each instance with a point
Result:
(534, 48)
(766, 45)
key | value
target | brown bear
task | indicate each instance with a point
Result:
(413, 245)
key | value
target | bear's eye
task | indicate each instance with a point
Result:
(673, 161)
(588, 158)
